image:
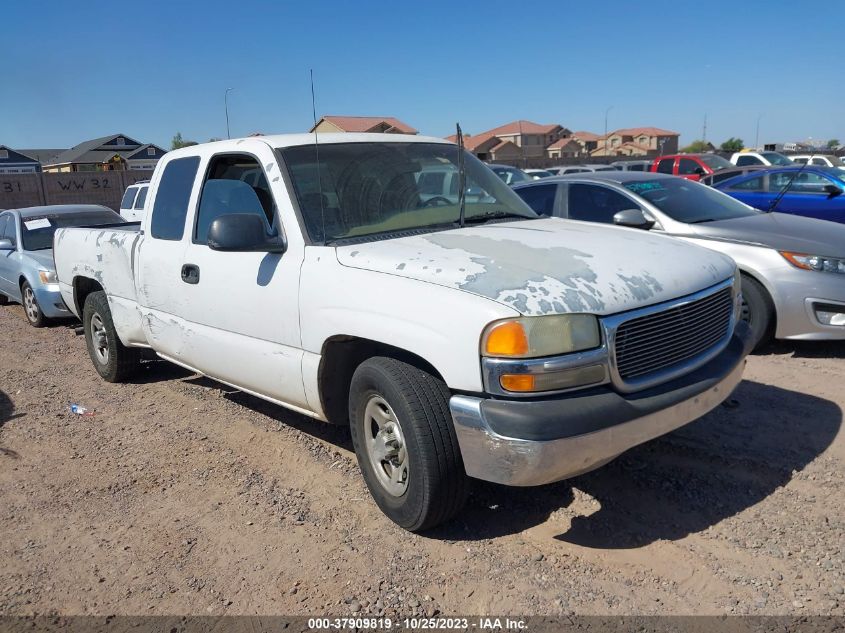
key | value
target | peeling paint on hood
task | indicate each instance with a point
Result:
(549, 266)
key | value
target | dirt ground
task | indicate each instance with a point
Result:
(181, 496)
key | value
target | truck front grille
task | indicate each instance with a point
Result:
(680, 334)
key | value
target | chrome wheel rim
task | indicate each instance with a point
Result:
(30, 305)
(385, 446)
(99, 339)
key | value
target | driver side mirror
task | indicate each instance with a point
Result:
(634, 218)
(242, 232)
(700, 171)
(832, 191)
(6, 245)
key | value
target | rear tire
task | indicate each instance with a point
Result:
(758, 311)
(112, 359)
(4, 300)
(405, 442)
(31, 308)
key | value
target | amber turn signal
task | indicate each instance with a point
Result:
(506, 339)
(517, 382)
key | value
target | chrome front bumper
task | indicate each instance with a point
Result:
(514, 461)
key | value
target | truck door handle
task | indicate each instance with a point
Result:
(191, 274)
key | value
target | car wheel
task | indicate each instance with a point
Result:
(758, 311)
(405, 442)
(112, 359)
(31, 308)
(4, 300)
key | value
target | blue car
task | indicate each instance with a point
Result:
(814, 192)
(27, 271)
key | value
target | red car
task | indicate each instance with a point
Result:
(690, 166)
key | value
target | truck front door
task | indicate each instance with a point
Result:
(242, 308)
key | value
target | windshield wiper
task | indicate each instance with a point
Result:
(495, 215)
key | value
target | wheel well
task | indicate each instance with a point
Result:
(340, 358)
(82, 287)
(765, 288)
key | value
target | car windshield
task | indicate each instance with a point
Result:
(688, 201)
(37, 231)
(367, 189)
(714, 161)
(776, 159)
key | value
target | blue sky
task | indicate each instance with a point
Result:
(75, 71)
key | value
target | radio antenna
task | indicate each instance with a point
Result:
(317, 155)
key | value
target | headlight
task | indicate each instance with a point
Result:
(48, 276)
(533, 337)
(815, 262)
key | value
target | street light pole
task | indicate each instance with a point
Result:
(757, 133)
(226, 104)
(606, 112)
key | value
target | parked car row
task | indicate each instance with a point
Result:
(792, 267)
(388, 283)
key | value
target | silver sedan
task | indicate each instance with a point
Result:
(793, 268)
(27, 271)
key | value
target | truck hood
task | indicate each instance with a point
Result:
(780, 231)
(549, 266)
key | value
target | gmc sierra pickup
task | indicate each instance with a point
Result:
(460, 335)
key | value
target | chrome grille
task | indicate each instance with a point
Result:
(679, 334)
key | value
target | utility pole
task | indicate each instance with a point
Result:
(606, 112)
(226, 105)
(704, 129)
(757, 133)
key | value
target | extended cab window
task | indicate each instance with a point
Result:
(595, 203)
(172, 197)
(665, 165)
(234, 183)
(540, 198)
(128, 197)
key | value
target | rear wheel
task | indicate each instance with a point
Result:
(112, 359)
(405, 443)
(31, 308)
(758, 311)
(4, 300)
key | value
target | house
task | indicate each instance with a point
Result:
(515, 140)
(565, 148)
(587, 140)
(637, 141)
(117, 152)
(24, 161)
(385, 124)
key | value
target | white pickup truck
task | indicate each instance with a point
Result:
(460, 337)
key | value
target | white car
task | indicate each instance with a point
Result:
(768, 159)
(132, 204)
(537, 174)
(457, 341)
(819, 160)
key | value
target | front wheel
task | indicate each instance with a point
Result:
(406, 444)
(112, 359)
(758, 310)
(31, 308)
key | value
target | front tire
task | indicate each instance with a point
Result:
(758, 311)
(4, 300)
(112, 359)
(31, 308)
(405, 442)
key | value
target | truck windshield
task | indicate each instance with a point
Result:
(689, 202)
(715, 162)
(367, 189)
(776, 159)
(37, 231)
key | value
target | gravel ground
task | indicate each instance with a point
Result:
(181, 496)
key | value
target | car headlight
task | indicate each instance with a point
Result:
(534, 337)
(48, 276)
(815, 262)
